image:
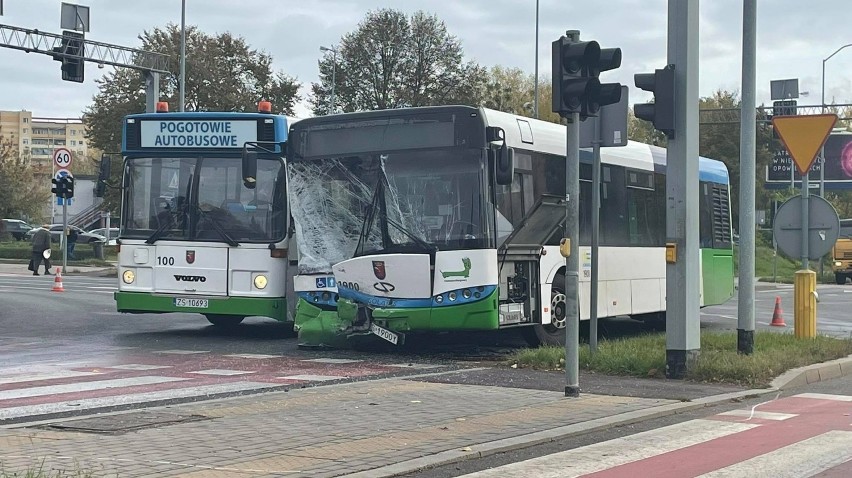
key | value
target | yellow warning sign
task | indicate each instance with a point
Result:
(804, 136)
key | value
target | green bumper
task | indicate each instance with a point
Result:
(147, 303)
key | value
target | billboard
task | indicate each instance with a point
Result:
(838, 165)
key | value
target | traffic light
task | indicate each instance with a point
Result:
(610, 93)
(56, 189)
(71, 54)
(661, 112)
(69, 187)
(575, 85)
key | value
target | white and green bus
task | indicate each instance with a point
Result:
(195, 235)
(420, 220)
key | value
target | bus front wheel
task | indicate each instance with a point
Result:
(225, 320)
(554, 332)
(839, 278)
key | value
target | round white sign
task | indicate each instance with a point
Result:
(62, 158)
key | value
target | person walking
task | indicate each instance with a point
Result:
(71, 241)
(41, 243)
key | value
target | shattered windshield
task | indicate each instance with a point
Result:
(204, 199)
(432, 196)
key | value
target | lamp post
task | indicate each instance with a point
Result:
(182, 55)
(333, 50)
(535, 100)
(822, 150)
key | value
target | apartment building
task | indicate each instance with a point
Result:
(38, 137)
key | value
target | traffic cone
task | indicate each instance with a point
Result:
(57, 281)
(777, 318)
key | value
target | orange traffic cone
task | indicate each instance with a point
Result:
(57, 281)
(777, 318)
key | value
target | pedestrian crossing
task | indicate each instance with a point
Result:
(801, 436)
(123, 376)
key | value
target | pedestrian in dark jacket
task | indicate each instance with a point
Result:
(41, 243)
(72, 241)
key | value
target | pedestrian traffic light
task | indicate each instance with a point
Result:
(575, 85)
(71, 53)
(661, 112)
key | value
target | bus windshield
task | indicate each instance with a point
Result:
(203, 199)
(410, 201)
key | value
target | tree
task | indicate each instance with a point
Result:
(392, 61)
(223, 73)
(22, 194)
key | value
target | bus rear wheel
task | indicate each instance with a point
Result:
(224, 320)
(554, 332)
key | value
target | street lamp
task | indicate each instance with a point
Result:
(822, 150)
(333, 50)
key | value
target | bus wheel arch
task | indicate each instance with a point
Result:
(552, 334)
(222, 320)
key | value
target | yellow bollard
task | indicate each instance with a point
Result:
(804, 304)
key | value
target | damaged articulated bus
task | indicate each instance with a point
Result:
(441, 219)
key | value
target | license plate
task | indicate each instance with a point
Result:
(190, 302)
(384, 333)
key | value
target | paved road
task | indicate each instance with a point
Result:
(70, 352)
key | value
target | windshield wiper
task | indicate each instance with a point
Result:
(218, 227)
(160, 230)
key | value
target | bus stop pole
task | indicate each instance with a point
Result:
(572, 262)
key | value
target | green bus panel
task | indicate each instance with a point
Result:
(147, 303)
(717, 269)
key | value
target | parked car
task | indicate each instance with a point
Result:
(17, 228)
(83, 237)
(111, 235)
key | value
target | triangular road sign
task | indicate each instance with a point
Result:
(803, 136)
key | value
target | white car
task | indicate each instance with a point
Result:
(110, 233)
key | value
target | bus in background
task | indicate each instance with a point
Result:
(842, 253)
(426, 222)
(204, 227)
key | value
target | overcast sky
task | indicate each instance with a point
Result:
(793, 38)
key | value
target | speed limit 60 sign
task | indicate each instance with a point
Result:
(62, 158)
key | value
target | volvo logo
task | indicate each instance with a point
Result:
(384, 287)
(181, 278)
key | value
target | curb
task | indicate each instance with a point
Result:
(790, 379)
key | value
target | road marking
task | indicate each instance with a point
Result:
(619, 451)
(138, 366)
(757, 414)
(84, 386)
(805, 458)
(332, 360)
(135, 398)
(254, 356)
(720, 315)
(313, 378)
(222, 372)
(180, 352)
(46, 376)
(825, 396)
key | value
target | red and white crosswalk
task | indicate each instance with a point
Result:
(801, 436)
(127, 376)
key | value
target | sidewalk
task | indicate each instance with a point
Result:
(20, 268)
(369, 429)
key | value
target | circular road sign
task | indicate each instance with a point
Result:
(823, 230)
(62, 172)
(62, 158)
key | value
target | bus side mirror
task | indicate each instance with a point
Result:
(103, 176)
(505, 165)
(249, 169)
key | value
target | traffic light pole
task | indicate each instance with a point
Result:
(572, 262)
(748, 127)
(683, 340)
(64, 238)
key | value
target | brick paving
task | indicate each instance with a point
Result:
(316, 432)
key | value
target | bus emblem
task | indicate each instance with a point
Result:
(190, 257)
(379, 269)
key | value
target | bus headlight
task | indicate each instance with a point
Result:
(439, 299)
(260, 281)
(838, 264)
(452, 296)
(128, 276)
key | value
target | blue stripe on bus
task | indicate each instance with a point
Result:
(376, 301)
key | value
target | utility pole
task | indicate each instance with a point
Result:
(182, 100)
(535, 100)
(683, 339)
(748, 173)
